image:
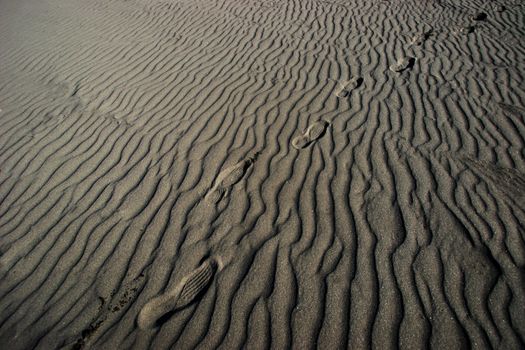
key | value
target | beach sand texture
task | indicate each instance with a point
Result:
(262, 174)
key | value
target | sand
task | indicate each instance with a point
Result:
(262, 174)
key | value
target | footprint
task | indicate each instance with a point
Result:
(420, 38)
(313, 133)
(466, 29)
(118, 301)
(49, 121)
(345, 87)
(480, 16)
(403, 64)
(227, 178)
(186, 291)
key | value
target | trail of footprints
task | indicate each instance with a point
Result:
(475, 18)
(193, 285)
(407, 62)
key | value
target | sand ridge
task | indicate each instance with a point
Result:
(262, 174)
